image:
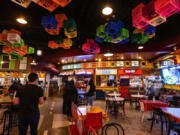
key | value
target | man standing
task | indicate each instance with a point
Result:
(28, 99)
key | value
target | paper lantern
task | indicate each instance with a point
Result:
(124, 33)
(98, 39)
(20, 44)
(6, 49)
(167, 8)
(124, 41)
(139, 39)
(16, 56)
(138, 31)
(149, 11)
(138, 20)
(52, 45)
(150, 32)
(31, 50)
(23, 50)
(13, 38)
(100, 32)
(3, 38)
(35, 1)
(70, 25)
(62, 3)
(90, 47)
(108, 39)
(23, 3)
(60, 18)
(49, 22)
(112, 29)
(15, 31)
(53, 31)
(71, 34)
(67, 43)
(48, 4)
(157, 21)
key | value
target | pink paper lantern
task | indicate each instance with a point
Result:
(90, 47)
(167, 8)
(138, 20)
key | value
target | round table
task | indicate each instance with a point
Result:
(114, 94)
(117, 99)
(137, 96)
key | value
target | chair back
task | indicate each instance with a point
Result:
(77, 119)
(94, 120)
(113, 129)
(91, 131)
(158, 111)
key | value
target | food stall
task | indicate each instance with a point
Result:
(105, 80)
(131, 78)
(82, 76)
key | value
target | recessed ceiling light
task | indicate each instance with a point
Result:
(107, 10)
(140, 47)
(108, 54)
(21, 20)
(39, 52)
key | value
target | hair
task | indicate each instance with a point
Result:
(32, 77)
(71, 83)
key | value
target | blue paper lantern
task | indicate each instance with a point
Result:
(149, 31)
(98, 39)
(49, 22)
(112, 28)
(120, 24)
(124, 41)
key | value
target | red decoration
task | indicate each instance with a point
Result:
(90, 47)
(62, 3)
(48, 4)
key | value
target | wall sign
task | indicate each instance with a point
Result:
(120, 63)
(135, 63)
(106, 71)
(130, 71)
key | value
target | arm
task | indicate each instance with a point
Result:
(16, 101)
(41, 100)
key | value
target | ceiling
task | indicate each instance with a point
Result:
(87, 14)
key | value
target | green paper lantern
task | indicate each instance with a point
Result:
(139, 39)
(31, 50)
(70, 25)
(143, 40)
(100, 32)
(108, 39)
(15, 56)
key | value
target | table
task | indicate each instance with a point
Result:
(6, 100)
(173, 112)
(149, 104)
(93, 109)
(114, 94)
(116, 99)
(138, 96)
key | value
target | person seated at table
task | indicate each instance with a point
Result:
(90, 92)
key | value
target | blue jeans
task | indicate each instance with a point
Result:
(90, 100)
(25, 121)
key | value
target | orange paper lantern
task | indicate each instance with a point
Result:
(52, 45)
(62, 3)
(15, 31)
(60, 18)
(53, 31)
(48, 4)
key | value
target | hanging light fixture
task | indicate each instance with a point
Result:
(107, 10)
(39, 52)
(21, 20)
(33, 62)
(108, 54)
(140, 47)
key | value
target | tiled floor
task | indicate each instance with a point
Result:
(53, 122)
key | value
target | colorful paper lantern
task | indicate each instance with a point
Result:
(48, 4)
(138, 31)
(49, 22)
(157, 21)
(138, 20)
(98, 39)
(150, 32)
(139, 39)
(70, 25)
(90, 47)
(52, 45)
(16, 56)
(13, 38)
(167, 8)
(70, 34)
(67, 43)
(100, 32)
(60, 18)
(23, 3)
(62, 3)
(112, 29)
(124, 41)
(31, 50)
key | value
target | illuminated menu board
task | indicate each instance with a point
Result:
(106, 71)
(135, 63)
(120, 63)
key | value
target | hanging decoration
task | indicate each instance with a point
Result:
(112, 32)
(141, 36)
(62, 3)
(49, 22)
(70, 28)
(48, 4)
(13, 44)
(23, 3)
(60, 42)
(90, 47)
(154, 13)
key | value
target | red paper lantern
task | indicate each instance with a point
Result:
(138, 20)
(90, 47)
(48, 4)
(53, 45)
(62, 3)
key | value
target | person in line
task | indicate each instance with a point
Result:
(90, 92)
(70, 95)
(13, 88)
(28, 98)
(64, 88)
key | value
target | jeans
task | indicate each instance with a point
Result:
(25, 121)
(90, 100)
